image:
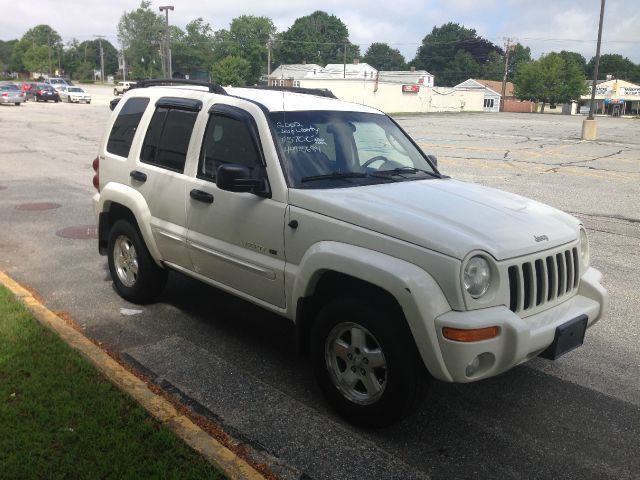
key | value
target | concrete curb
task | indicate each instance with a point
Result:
(233, 466)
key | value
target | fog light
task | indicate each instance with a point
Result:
(472, 367)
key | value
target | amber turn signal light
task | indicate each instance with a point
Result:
(472, 335)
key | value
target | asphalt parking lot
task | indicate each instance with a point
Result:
(575, 418)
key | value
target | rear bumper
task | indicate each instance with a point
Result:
(520, 339)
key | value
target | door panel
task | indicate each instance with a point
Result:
(238, 241)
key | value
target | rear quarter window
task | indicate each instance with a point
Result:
(125, 126)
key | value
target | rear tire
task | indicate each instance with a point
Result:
(136, 276)
(366, 362)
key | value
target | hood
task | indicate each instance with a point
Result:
(447, 216)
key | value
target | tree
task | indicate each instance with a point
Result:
(140, 32)
(551, 79)
(382, 57)
(6, 49)
(231, 71)
(576, 58)
(519, 55)
(453, 53)
(43, 35)
(89, 51)
(36, 58)
(317, 38)
(192, 50)
(246, 38)
(38, 36)
(616, 66)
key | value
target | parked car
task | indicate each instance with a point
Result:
(74, 94)
(42, 92)
(11, 93)
(329, 214)
(122, 87)
(56, 82)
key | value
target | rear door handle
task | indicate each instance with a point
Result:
(201, 196)
(139, 176)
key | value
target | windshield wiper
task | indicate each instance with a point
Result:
(334, 176)
(401, 170)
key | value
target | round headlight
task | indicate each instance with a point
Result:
(584, 247)
(477, 276)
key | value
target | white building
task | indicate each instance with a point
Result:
(613, 97)
(491, 97)
(290, 75)
(355, 70)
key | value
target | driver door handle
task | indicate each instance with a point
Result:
(137, 175)
(201, 196)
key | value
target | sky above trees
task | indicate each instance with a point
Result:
(559, 25)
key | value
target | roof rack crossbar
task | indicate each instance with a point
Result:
(213, 87)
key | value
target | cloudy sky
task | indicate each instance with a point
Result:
(543, 25)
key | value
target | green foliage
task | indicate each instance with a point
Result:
(192, 49)
(141, 31)
(43, 35)
(576, 58)
(453, 53)
(60, 418)
(519, 54)
(317, 38)
(616, 65)
(551, 79)
(36, 59)
(84, 71)
(382, 57)
(6, 49)
(231, 70)
(246, 38)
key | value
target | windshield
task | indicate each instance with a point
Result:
(333, 149)
(75, 89)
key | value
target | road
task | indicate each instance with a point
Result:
(575, 418)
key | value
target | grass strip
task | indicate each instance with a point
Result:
(60, 418)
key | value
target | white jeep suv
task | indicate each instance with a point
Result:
(330, 215)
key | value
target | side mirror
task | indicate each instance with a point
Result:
(433, 159)
(237, 178)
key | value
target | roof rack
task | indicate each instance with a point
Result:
(320, 92)
(213, 87)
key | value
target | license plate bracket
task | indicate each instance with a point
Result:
(569, 336)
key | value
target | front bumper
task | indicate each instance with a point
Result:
(520, 339)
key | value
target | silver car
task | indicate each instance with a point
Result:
(74, 94)
(11, 93)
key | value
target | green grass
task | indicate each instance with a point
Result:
(60, 418)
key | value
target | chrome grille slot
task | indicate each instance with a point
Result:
(543, 280)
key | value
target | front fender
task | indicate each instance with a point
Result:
(133, 200)
(417, 293)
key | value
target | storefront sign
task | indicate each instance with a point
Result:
(411, 88)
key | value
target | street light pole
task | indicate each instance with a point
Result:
(166, 9)
(589, 127)
(100, 37)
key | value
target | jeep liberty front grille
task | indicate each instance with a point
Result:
(537, 282)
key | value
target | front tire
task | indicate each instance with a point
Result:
(366, 362)
(136, 276)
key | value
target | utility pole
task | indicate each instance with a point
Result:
(165, 9)
(589, 126)
(507, 49)
(100, 37)
(344, 62)
(268, 60)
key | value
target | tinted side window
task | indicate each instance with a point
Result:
(227, 140)
(125, 126)
(168, 138)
